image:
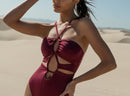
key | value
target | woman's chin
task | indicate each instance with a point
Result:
(56, 11)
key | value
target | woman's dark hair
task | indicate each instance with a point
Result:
(83, 10)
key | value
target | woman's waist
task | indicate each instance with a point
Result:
(59, 71)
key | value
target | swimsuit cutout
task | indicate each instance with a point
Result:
(69, 50)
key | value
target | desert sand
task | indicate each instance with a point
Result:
(20, 56)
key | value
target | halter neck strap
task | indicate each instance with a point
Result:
(58, 34)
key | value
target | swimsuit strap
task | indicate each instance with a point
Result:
(58, 35)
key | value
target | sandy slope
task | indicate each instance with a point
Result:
(20, 56)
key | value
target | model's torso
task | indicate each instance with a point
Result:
(71, 33)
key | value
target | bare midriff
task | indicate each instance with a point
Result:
(62, 61)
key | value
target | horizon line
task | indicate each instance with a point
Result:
(40, 19)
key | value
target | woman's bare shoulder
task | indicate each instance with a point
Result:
(85, 24)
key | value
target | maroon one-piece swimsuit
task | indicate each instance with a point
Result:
(70, 51)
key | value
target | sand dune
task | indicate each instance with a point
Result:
(3, 26)
(109, 35)
(20, 56)
(14, 35)
(127, 33)
(115, 36)
(125, 40)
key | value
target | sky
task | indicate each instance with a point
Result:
(108, 13)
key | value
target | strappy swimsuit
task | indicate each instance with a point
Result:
(69, 50)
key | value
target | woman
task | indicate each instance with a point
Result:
(62, 52)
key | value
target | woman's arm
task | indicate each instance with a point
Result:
(15, 14)
(107, 63)
(12, 19)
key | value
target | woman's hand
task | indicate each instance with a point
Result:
(70, 89)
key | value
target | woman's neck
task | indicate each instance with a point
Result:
(66, 17)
